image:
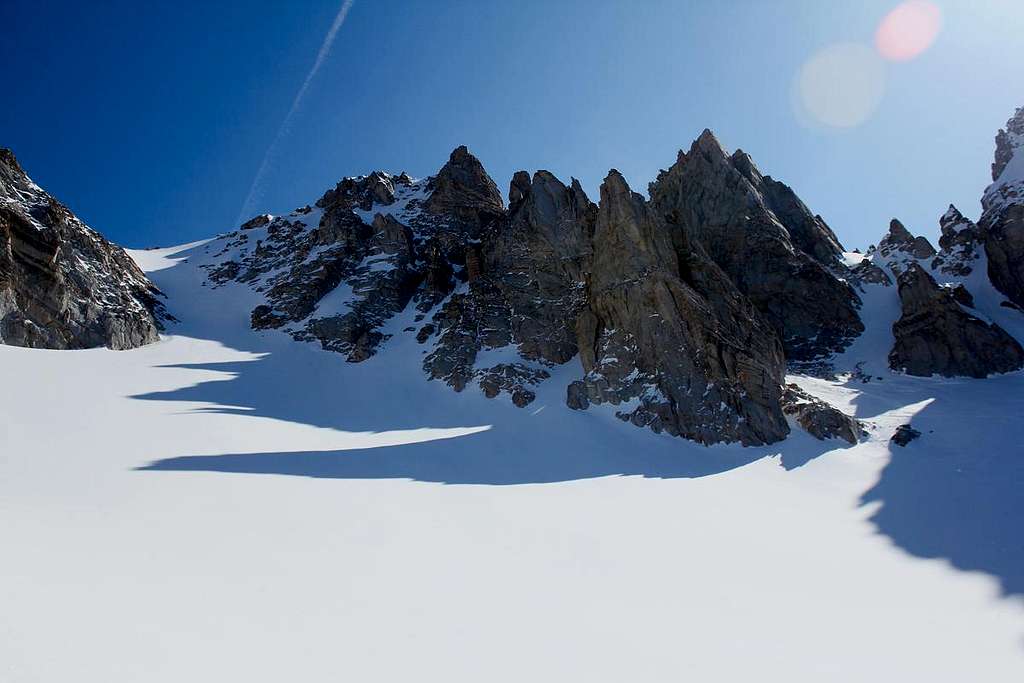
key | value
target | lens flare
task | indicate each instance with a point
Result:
(842, 85)
(908, 30)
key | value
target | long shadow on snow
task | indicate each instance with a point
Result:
(542, 443)
(957, 493)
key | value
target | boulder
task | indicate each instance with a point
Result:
(904, 434)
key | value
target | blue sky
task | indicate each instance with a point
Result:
(150, 120)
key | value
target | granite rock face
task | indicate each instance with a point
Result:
(938, 334)
(666, 333)
(62, 285)
(524, 290)
(1002, 220)
(782, 257)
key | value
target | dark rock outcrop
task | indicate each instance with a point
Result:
(463, 191)
(937, 335)
(62, 285)
(869, 272)
(898, 246)
(667, 336)
(904, 434)
(378, 243)
(818, 418)
(524, 291)
(782, 257)
(1002, 220)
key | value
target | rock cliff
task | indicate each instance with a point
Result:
(1002, 219)
(62, 285)
(940, 333)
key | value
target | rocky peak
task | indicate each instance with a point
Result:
(950, 222)
(545, 209)
(632, 241)
(11, 173)
(769, 243)
(708, 147)
(959, 244)
(899, 244)
(62, 285)
(363, 192)
(1008, 141)
(518, 188)
(1007, 188)
(666, 333)
(898, 234)
(1002, 219)
(524, 293)
(16, 188)
(463, 188)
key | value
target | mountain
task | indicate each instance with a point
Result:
(387, 436)
(62, 285)
(681, 311)
(664, 331)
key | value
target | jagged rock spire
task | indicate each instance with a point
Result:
(462, 187)
(665, 327)
(756, 229)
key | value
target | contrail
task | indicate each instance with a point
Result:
(256, 190)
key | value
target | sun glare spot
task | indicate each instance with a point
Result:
(908, 30)
(842, 85)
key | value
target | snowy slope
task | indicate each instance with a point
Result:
(233, 505)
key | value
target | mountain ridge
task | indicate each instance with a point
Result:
(684, 308)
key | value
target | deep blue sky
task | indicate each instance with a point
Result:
(151, 119)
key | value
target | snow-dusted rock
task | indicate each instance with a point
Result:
(898, 247)
(524, 290)
(1002, 220)
(62, 285)
(818, 418)
(959, 245)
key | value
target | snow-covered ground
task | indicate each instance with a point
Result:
(228, 505)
